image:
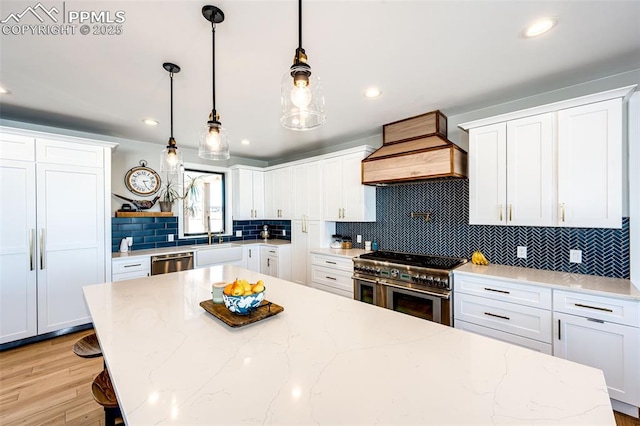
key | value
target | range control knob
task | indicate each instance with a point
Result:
(394, 273)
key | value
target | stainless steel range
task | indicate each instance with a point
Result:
(415, 284)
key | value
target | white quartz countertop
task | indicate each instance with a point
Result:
(325, 360)
(183, 249)
(350, 253)
(611, 287)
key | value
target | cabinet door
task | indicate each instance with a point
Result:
(306, 190)
(257, 193)
(18, 261)
(71, 217)
(487, 175)
(613, 348)
(17, 147)
(530, 171)
(299, 252)
(358, 200)
(590, 165)
(332, 188)
(277, 193)
(242, 194)
(252, 256)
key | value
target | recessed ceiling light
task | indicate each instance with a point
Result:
(150, 122)
(372, 92)
(4, 91)
(245, 142)
(539, 27)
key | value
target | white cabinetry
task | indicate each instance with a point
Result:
(345, 198)
(511, 165)
(54, 217)
(332, 274)
(307, 235)
(604, 333)
(515, 313)
(276, 261)
(251, 255)
(128, 268)
(247, 193)
(590, 165)
(306, 185)
(277, 193)
(554, 165)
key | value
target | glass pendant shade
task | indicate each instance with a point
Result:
(301, 99)
(171, 158)
(214, 142)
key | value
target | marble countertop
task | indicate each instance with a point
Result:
(611, 287)
(325, 360)
(350, 253)
(182, 249)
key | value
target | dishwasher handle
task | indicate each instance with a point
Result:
(165, 257)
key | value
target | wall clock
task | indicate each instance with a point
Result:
(142, 180)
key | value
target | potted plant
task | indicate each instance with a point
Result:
(168, 194)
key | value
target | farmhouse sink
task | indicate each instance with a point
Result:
(216, 254)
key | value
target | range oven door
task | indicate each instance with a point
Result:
(368, 291)
(430, 306)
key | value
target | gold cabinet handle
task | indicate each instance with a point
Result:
(42, 248)
(31, 246)
(510, 212)
(500, 209)
(562, 206)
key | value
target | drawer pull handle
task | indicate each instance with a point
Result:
(132, 266)
(580, 305)
(497, 291)
(328, 261)
(497, 316)
(559, 330)
(595, 320)
(331, 278)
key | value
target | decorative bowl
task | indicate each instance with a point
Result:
(243, 305)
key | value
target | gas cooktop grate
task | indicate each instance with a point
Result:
(412, 259)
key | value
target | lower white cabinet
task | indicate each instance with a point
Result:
(512, 312)
(251, 255)
(332, 273)
(276, 261)
(305, 235)
(130, 268)
(604, 333)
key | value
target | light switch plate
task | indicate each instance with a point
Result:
(169, 237)
(284, 232)
(239, 233)
(358, 238)
(522, 252)
(575, 256)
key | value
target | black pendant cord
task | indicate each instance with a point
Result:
(171, 80)
(213, 73)
(299, 25)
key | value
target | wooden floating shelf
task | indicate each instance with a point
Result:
(144, 214)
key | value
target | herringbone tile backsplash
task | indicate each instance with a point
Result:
(605, 252)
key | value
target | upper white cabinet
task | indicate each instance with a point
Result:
(590, 165)
(54, 230)
(346, 199)
(512, 168)
(277, 193)
(306, 191)
(247, 193)
(554, 165)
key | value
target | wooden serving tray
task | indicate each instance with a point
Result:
(144, 214)
(265, 310)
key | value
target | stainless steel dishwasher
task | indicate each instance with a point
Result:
(176, 262)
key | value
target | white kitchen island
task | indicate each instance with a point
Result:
(325, 360)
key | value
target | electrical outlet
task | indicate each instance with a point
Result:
(284, 232)
(239, 233)
(575, 256)
(169, 237)
(358, 238)
(522, 252)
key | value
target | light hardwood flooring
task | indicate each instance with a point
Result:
(45, 383)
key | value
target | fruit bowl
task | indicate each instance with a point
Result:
(243, 305)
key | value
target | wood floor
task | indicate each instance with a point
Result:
(45, 383)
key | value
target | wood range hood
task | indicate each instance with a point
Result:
(415, 149)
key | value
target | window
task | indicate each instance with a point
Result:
(204, 204)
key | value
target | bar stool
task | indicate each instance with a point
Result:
(88, 347)
(105, 395)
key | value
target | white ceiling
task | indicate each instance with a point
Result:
(424, 55)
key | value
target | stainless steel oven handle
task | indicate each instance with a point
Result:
(438, 295)
(365, 280)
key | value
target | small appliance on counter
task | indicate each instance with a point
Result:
(264, 234)
(336, 241)
(347, 243)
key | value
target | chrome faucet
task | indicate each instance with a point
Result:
(209, 228)
(220, 238)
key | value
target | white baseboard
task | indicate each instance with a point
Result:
(625, 408)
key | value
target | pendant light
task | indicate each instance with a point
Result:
(300, 91)
(214, 144)
(171, 157)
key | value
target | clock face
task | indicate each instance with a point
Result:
(142, 181)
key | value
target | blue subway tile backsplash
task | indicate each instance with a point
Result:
(152, 232)
(605, 252)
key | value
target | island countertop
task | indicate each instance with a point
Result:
(325, 360)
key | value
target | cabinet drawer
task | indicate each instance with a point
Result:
(335, 262)
(140, 264)
(545, 348)
(333, 278)
(269, 251)
(522, 294)
(520, 320)
(608, 309)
